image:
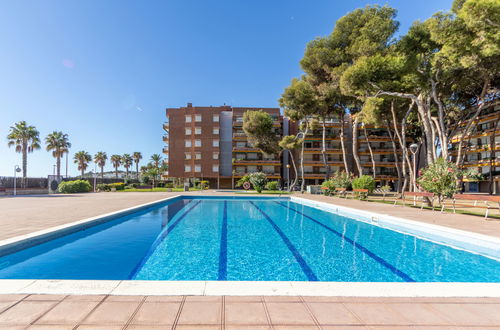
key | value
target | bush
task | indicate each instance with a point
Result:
(328, 187)
(341, 179)
(103, 187)
(169, 185)
(258, 181)
(117, 185)
(440, 178)
(160, 184)
(204, 184)
(364, 182)
(77, 186)
(272, 185)
(245, 178)
(385, 188)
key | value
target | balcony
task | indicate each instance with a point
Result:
(256, 162)
(320, 163)
(318, 150)
(386, 163)
(166, 126)
(273, 175)
(246, 149)
(165, 150)
(165, 137)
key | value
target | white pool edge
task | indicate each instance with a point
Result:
(254, 288)
(250, 288)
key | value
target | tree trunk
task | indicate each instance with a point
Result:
(137, 170)
(83, 171)
(58, 166)
(25, 164)
(323, 151)
(302, 184)
(371, 151)
(480, 107)
(342, 144)
(443, 137)
(102, 174)
(126, 169)
(492, 156)
(396, 157)
(355, 154)
(116, 172)
(296, 177)
(423, 111)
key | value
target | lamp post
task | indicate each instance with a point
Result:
(413, 150)
(17, 169)
(288, 175)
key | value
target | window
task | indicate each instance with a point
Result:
(197, 118)
(197, 143)
(187, 168)
(216, 118)
(188, 155)
(215, 155)
(252, 155)
(187, 143)
(240, 156)
(188, 130)
(197, 168)
(188, 118)
(215, 168)
(215, 143)
(268, 169)
(251, 169)
(197, 155)
(215, 130)
(241, 144)
(197, 130)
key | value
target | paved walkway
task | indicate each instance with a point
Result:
(195, 312)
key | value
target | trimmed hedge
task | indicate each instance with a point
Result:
(77, 186)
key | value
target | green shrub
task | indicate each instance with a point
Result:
(117, 185)
(440, 178)
(169, 185)
(385, 188)
(341, 179)
(160, 184)
(103, 187)
(272, 185)
(364, 182)
(245, 178)
(77, 186)
(258, 181)
(328, 187)
(204, 184)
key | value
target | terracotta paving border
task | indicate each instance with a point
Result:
(242, 312)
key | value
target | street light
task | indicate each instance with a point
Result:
(413, 150)
(17, 169)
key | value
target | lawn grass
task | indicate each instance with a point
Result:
(158, 190)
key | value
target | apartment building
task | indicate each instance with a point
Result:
(208, 143)
(481, 149)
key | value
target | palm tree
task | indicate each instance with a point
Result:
(82, 158)
(26, 139)
(156, 159)
(127, 162)
(100, 159)
(137, 156)
(58, 143)
(117, 161)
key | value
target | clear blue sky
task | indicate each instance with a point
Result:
(104, 71)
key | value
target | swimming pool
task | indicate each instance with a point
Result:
(245, 239)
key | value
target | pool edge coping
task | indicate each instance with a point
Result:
(234, 288)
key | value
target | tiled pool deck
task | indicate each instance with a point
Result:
(28, 214)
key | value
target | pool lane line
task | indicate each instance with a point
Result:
(223, 247)
(298, 257)
(358, 246)
(158, 240)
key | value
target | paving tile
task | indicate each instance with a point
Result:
(286, 299)
(346, 327)
(377, 314)
(194, 313)
(6, 304)
(211, 299)
(12, 327)
(46, 297)
(248, 313)
(296, 327)
(488, 311)
(284, 313)
(92, 297)
(68, 312)
(333, 313)
(229, 299)
(25, 312)
(112, 313)
(199, 327)
(156, 313)
(247, 327)
(12, 297)
(164, 298)
(317, 299)
(148, 327)
(51, 327)
(100, 327)
(125, 298)
(460, 315)
(419, 314)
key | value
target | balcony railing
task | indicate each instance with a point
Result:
(267, 161)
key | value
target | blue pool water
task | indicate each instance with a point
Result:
(244, 238)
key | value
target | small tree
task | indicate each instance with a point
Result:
(258, 181)
(440, 178)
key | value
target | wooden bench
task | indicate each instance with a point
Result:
(341, 191)
(480, 201)
(416, 195)
(360, 192)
